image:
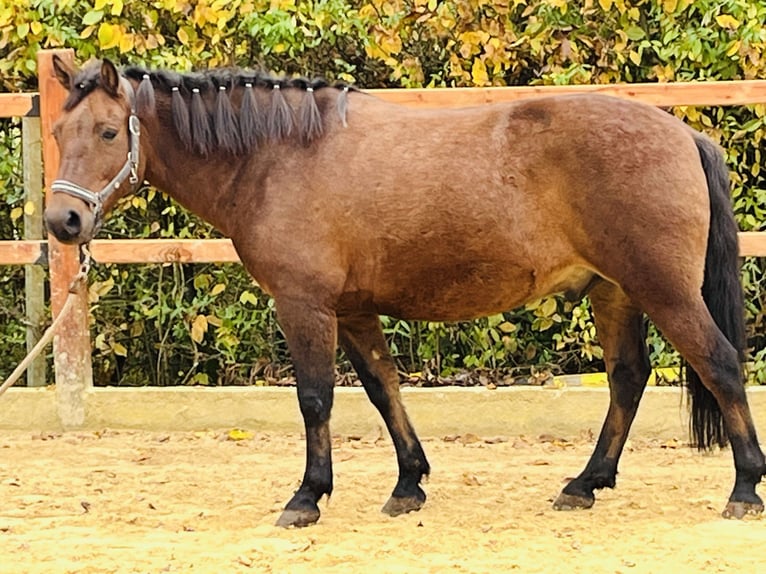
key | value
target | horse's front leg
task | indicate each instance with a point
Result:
(361, 337)
(311, 334)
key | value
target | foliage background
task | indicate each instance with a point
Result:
(204, 324)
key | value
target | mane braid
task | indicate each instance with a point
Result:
(251, 125)
(280, 120)
(226, 124)
(310, 118)
(200, 124)
(145, 97)
(180, 112)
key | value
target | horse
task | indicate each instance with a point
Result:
(344, 207)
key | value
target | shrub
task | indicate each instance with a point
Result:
(208, 324)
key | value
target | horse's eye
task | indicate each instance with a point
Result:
(109, 134)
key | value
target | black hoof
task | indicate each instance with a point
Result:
(573, 502)
(404, 500)
(740, 510)
(298, 518)
(397, 505)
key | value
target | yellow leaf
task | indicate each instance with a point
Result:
(479, 73)
(116, 7)
(391, 44)
(239, 434)
(99, 4)
(16, 212)
(199, 328)
(727, 21)
(183, 36)
(119, 349)
(127, 43)
(218, 288)
(36, 27)
(670, 5)
(635, 57)
(605, 4)
(108, 36)
(87, 31)
(548, 307)
(734, 48)
(29, 208)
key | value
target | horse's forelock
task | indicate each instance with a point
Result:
(84, 83)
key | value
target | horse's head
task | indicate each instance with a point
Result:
(96, 132)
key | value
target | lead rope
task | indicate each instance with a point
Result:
(75, 288)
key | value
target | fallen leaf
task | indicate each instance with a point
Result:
(239, 434)
(495, 440)
(469, 438)
(470, 479)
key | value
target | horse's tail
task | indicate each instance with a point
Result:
(721, 290)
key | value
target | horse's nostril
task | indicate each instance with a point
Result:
(73, 224)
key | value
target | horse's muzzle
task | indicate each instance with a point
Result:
(69, 225)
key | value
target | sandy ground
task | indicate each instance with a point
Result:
(132, 501)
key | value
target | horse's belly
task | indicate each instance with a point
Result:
(452, 296)
(456, 294)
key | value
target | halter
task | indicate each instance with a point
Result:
(128, 172)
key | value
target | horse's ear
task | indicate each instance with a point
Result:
(110, 78)
(65, 73)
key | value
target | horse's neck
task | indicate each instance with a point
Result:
(205, 186)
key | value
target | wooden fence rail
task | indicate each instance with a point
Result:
(72, 350)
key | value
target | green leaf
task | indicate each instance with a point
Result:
(92, 17)
(248, 297)
(635, 33)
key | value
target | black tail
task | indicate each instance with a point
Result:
(721, 290)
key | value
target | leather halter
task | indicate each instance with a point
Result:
(128, 172)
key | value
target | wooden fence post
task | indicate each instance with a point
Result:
(34, 275)
(71, 347)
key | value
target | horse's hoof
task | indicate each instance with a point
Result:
(740, 510)
(298, 518)
(572, 502)
(397, 505)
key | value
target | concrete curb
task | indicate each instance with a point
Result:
(434, 411)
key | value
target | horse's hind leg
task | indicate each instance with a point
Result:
(690, 327)
(622, 333)
(361, 337)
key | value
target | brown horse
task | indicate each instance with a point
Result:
(344, 207)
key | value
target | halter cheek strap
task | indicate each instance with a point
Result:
(128, 172)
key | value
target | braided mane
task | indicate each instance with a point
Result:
(231, 110)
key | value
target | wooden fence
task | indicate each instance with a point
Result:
(72, 348)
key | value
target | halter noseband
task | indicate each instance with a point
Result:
(128, 172)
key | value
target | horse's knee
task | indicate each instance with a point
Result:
(315, 404)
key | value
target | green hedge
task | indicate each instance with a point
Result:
(208, 324)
